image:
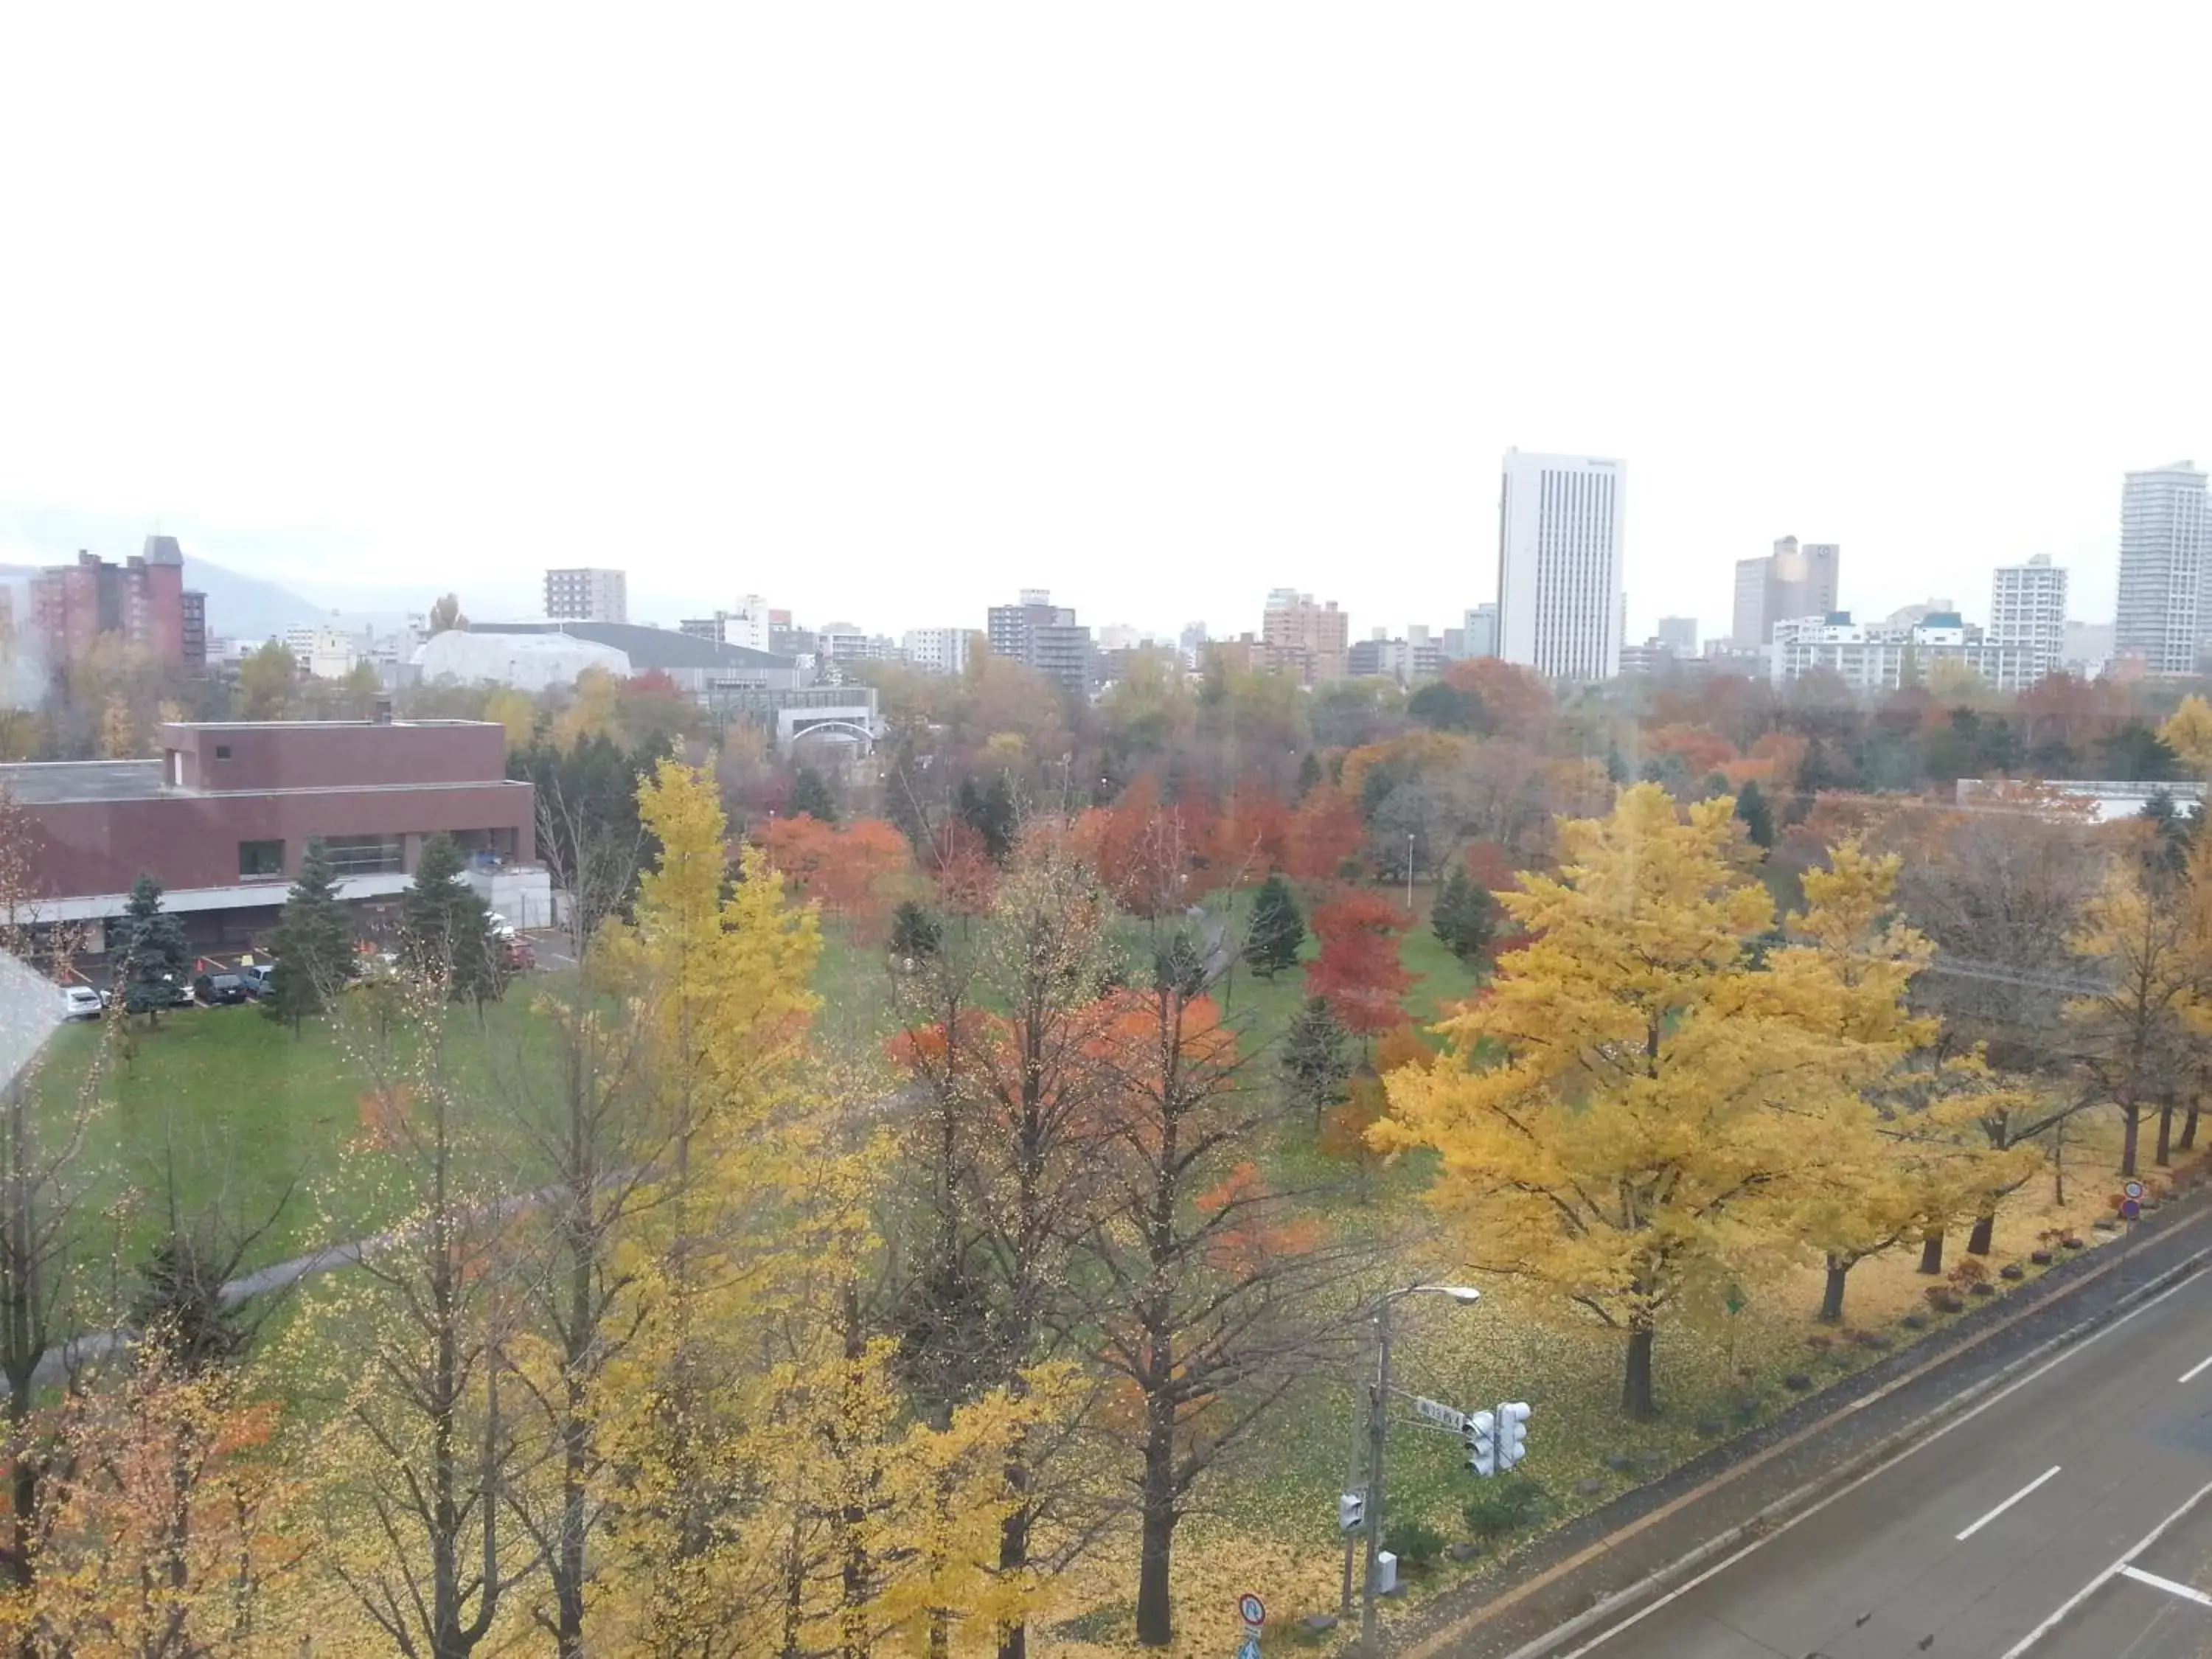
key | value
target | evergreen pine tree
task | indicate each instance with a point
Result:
(1277, 931)
(1308, 773)
(445, 929)
(991, 812)
(1179, 965)
(313, 942)
(1316, 1059)
(1758, 817)
(916, 935)
(1464, 917)
(809, 795)
(1002, 818)
(179, 1308)
(157, 958)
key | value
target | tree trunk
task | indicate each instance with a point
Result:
(2130, 1138)
(1832, 1298)
(1984, 1238)
(1931, 1251)
(1636, 1399)
(2189, 1130)
(1013, 1557)
(2164, 1155)
(1155, 1625)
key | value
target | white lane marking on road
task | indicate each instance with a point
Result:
(2103, 1578)
(2166, 1584)
(1877, 1472)
(2009, 1503)
(2189, 1376)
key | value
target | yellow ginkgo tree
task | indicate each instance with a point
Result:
(2188, 732)
(1635, 1111)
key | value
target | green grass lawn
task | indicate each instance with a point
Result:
(245, 1119)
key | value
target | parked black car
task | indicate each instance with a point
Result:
(213, 988)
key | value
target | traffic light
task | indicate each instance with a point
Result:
(1512, 1433)
(1351, 1511)
(1481, 1433)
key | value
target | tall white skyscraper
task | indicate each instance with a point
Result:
(2166, 539)
(1559, 564)
(2027, 611)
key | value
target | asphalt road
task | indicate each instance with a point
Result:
(2068, 1516)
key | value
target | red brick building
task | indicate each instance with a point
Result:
(143, 599)
(222, 819)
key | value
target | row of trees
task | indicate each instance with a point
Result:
(1662, 1097)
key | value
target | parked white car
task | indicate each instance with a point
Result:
(80, 1002)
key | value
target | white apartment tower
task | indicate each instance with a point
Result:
(2166, 538)
(587, 595)
(936, 650)
(1560, 522)
(2027, 610)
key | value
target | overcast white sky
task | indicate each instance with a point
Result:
(886, 310)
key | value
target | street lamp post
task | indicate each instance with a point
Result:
(1378, 1426)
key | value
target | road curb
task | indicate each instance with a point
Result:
(1858, 1463)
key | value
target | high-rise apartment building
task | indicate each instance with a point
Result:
(143, 599)
(1679, 634)
(1559, 520)
(1044, 636)
(2165, 538)
(1790, 582)
(937, 650)
(587, 594)
(2027, 610)
(1304, 637)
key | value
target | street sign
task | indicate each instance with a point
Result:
(2129, 1209)
(1436, 1412)
(2131, 1190)
(1252, 1609)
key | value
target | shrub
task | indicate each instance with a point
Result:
(1415, 1543)
(1502, 1505)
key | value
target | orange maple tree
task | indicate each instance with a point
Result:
(851, 870)
(1325, 831)
(1149, 852)
(1251, 833)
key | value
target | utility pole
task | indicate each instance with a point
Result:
(1409, 872)
(1378, 1426)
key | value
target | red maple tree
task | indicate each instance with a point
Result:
(1358, 973)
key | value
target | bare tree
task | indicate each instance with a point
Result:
(436, 1455)
(593, 1150)
(2001, 892)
